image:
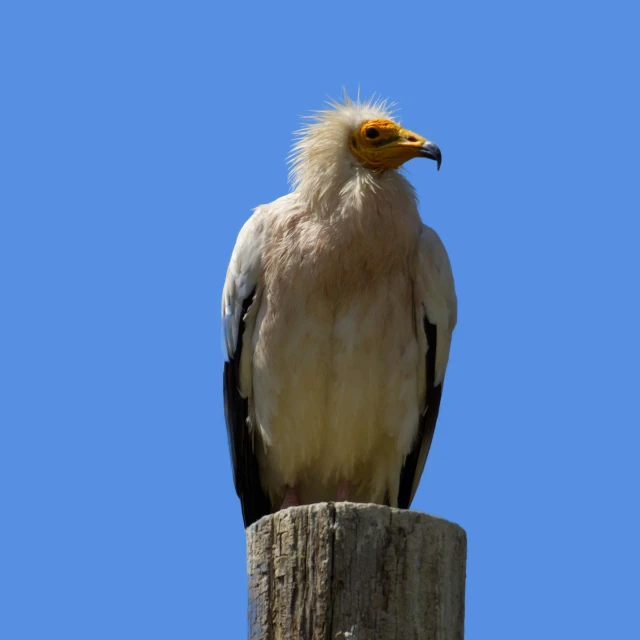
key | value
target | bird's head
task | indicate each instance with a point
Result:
(381, 144)
(353, 139)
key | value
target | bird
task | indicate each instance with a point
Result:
(338, 310)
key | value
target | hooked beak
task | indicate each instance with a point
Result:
(413, 145)
(430, 150)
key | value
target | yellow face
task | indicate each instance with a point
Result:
(383, 144)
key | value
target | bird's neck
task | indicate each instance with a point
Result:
(373, 216)
(364, 200)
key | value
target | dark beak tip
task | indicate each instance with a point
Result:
(430, 150)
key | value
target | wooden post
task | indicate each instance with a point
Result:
(355, 571)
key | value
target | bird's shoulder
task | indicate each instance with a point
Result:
(246, 265)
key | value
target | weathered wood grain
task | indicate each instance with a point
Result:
(355, 571)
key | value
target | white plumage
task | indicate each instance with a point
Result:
(333, 295)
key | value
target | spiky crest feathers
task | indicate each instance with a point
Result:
(320, 159)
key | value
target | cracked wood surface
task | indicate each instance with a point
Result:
(355, 571)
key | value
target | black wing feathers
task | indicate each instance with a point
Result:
(427, 419)
(246, 474)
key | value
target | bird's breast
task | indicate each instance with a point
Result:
(335, 372)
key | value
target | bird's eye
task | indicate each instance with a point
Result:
(371, 133)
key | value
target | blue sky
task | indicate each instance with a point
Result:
(135, 140)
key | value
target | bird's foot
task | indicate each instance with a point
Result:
(344, 490)
(291, 498)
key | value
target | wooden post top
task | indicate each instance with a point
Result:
(358, 571)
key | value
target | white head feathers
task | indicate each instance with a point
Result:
(321, 160)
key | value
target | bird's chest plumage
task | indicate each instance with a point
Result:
(335, 370)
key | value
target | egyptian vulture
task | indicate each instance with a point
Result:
(338, 310)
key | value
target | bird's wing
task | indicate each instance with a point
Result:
(436, 315)
(241, 299)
